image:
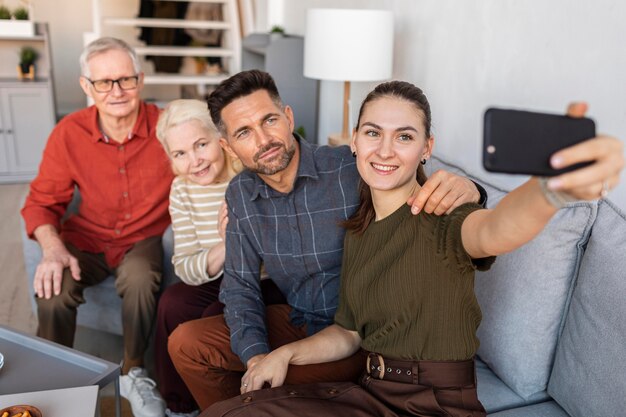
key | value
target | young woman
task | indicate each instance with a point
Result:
(407, 281)
(199, 218)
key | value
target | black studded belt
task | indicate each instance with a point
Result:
(431, 373)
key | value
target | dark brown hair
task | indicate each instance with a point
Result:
(239, 85)
(403, 90)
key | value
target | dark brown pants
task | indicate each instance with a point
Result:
(434, 395)
(200, 350)
(137, 281)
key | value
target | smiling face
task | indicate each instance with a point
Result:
(112, 65)
(390, 143)
(259, 133)
(196, 154)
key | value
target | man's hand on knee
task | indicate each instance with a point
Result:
(49, 273)
(55, 259)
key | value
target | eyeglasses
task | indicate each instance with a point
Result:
(125, 83)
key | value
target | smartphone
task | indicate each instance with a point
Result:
(521, 142)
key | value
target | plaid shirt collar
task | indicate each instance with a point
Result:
(306, 169)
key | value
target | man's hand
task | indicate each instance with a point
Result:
(442, 193)
(56, 258)
(593, 181)
(270, 368)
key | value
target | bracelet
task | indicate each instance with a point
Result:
(557, 198)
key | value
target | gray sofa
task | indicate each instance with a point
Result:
(102, 310)
(553, 335)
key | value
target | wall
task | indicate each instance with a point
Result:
(466, 55)
(473, 54)
(67, 21)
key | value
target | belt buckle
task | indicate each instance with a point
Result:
(380, 367)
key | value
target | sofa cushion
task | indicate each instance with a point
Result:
(523, 298)
(495, 395)
(100, 302)
(547, 409)
(589, 375)
(524, 295)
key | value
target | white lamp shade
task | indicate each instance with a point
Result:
(348, 44)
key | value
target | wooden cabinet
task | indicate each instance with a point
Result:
(26, 120)
(27, 112)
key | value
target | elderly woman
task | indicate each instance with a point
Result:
(199, 220)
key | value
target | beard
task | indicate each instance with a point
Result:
(277, 163)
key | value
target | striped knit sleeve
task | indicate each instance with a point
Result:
(190, 258)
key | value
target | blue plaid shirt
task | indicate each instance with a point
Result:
(296, 235)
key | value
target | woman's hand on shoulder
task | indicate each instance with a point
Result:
(606, 155)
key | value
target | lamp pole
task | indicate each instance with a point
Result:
(346, 99)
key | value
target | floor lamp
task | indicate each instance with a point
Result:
(348, 45)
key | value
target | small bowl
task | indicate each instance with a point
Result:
(14, 409)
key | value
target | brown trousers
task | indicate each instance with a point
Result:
(137, 281)
(200, 350)
(436, 391)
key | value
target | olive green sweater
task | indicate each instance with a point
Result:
(407, 287)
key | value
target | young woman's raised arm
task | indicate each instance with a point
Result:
(523, 213)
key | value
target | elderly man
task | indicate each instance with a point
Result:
(108, 152)
(285, 211)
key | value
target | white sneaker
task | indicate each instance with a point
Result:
(141, 392)
(170, 413)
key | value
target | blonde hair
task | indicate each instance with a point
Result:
(178, 112)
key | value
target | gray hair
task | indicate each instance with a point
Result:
(102, 45)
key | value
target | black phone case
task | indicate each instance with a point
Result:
(521, 142)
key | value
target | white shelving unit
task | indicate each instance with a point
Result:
(230, 51)
(27, 111)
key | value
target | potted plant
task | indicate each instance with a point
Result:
(16, 24)
(21, 13)
(26, 67)
(277, 32)
(5, 13)
(301, 131)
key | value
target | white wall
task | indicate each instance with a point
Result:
(472, 54)
(67, 20)
(465, 54)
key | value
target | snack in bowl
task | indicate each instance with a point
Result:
(20, 411)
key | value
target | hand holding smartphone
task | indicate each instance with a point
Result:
(522, 142)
